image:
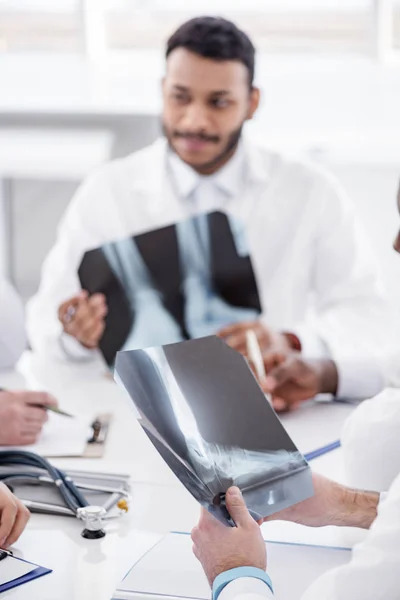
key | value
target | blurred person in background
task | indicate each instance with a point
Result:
(207, 231)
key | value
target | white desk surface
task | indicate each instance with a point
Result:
(91, 569)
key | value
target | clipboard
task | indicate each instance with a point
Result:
(96, 444)
(21, 567)
(70, 438)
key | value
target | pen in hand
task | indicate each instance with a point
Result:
(255, 356)
(254, 353)
(54, 409)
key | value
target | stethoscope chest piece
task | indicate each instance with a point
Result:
(93, 517)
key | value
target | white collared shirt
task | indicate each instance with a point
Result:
(208, 192)
(314, 270)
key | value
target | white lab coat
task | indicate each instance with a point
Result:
(12, 326)
(372, 574)
(371, 443)
(306, 247)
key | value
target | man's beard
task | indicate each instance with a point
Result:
(220, 159)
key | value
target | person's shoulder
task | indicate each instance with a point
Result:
(289, 166)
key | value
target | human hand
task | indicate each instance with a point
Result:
(21, 421)
(268, 339)
(13, 517)
(292, 379)
(332, 504)
(220, 548)
(83, 317)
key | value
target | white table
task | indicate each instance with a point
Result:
(91, 569)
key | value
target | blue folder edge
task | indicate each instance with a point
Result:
(321, 451)
(38, 572)
(279, 543)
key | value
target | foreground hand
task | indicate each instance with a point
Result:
(13, 517)
(83, 317)
(21, 422)
(332, 504)
(220, 548)
(269, 340)
(291, 379)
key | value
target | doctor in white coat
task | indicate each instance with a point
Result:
(317, 284)
(236, 562)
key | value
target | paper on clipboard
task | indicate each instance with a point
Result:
(61, 437)
(13, 569)
(16, 571)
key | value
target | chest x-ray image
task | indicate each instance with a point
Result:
(204, 411)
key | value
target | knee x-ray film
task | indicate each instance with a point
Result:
(204, 411)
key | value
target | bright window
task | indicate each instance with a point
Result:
(275, 25)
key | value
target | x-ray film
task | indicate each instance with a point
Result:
(204, 411)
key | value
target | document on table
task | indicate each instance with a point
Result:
(15, 572)
(170, 569)
(13, 569)
(61, 436)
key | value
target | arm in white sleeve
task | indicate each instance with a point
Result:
(246, 588)
(351, 322)
(12, 326)
(361, 378)
(372, 573)
(374, 569)
(83, 227)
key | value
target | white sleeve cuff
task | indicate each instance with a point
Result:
(382, 497)
(362, 378)
(312, 346)
(74, 349)
(246, 588)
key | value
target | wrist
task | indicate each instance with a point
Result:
(327, 375)
(357, 508)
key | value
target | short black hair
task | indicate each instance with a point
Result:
(215, 38)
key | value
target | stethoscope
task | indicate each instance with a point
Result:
(75, 502)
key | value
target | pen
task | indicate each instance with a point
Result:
(255, 356)
(49, 407)
(254, 353)
(323, 450)
(53, 409)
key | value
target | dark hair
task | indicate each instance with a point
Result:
(215, 38)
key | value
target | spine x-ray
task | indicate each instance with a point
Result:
(202, 408)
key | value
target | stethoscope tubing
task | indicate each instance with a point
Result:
(72, 497)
